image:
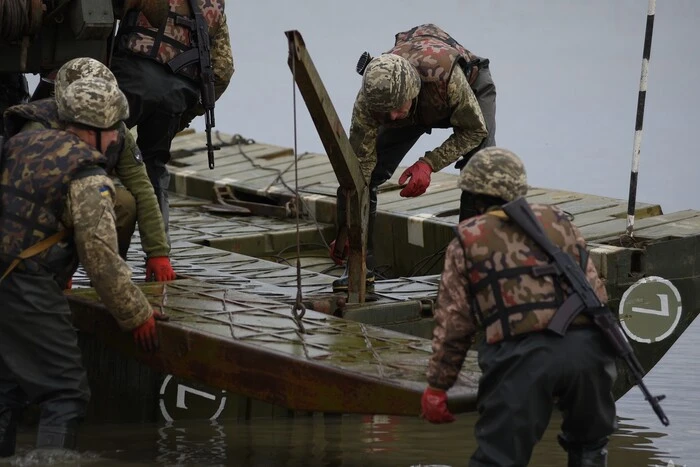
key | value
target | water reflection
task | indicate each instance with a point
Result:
(321, 440)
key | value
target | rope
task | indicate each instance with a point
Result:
(640, 117)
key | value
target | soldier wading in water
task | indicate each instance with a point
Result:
(497, 278)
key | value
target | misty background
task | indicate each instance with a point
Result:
(566, 72)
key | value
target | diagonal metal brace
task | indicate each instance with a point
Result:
(342, 158)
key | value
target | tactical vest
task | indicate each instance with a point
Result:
(43, 111)
(137, 36)
(37, 170)
(434, 53)
(513, 286)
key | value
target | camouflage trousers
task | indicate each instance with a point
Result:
(157, 99)
(40, 361)
(524, 379)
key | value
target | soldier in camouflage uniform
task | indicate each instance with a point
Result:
(135, 199)
(427, 80)
(497, 279)
(163, 100)
(57, 210)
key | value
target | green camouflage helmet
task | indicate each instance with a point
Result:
(94, 102)
(388, 82)
(496, 172)
(81, 67)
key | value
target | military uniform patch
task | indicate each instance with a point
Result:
(137, 155)
(105, 191)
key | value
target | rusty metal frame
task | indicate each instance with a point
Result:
(342, 158)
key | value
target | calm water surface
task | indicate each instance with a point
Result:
(393, 441)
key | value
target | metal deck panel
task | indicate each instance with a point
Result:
(252, 346)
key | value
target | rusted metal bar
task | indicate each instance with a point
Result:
(341, 156)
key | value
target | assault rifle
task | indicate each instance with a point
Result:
(582, 300)
(201, 53)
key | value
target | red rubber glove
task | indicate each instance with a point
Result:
(160, 267)
(420, 179)
(339, 260)
(146, 335)
(434, 406)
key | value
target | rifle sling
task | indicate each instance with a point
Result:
(35, 249)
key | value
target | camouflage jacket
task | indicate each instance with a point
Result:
(445, 100)
(138, 36)
(52, 181)
(488, 244)
(129, 169)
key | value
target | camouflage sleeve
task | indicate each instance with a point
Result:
(363, 136)
(591, 271)
(132, 174)
(454, 323)
(222, 58)
(90, 201)
(468, 126)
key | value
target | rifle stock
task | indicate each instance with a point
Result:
(582, 300)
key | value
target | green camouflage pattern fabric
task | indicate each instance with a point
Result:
(43, 112)
(496, 172)
(388, 82)
(493, 243)
(93, 102)
(50, 182)
(37, 168)
(130, 170)
(78, 68)
(445, 101)
(178, 40)
(90, 213)
(434, 54)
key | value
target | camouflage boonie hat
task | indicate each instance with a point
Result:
(81, 67)
(496, 172)
(94, 102)
(388, 82)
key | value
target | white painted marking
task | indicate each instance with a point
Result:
(414, 227)
(664, 311)
(182, 391)
(666, 327)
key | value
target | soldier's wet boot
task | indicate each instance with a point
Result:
(341, 284)
(56, 437)
(8, 431)
(591, 455)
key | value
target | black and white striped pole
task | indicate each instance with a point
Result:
(640, 117)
